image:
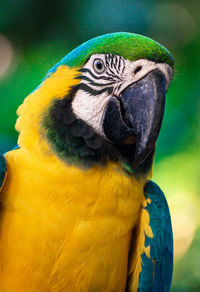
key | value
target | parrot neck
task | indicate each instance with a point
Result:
(107, 190)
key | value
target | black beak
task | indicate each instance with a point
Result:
(136, 116)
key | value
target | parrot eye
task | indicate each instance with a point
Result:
(98, 66)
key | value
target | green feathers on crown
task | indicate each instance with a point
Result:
(128, 45)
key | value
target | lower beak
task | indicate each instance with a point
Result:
(138, 115)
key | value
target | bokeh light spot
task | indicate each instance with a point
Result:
(6, 55)
(184, 217)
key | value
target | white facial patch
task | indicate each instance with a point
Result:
(131, 73)
(90, 108)
(98, 86)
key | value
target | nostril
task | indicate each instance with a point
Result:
(139, 68)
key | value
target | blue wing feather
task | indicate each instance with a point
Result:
(16, 147)
(3, 169)
(156, 273)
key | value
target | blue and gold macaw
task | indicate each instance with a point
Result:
(78, 212)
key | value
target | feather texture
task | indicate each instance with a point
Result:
(63, 228)
(151, 256)
(3, 170)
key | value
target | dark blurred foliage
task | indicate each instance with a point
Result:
(39, 33)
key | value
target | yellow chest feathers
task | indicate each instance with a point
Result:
(66, 223)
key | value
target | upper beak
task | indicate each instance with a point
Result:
(138, 115)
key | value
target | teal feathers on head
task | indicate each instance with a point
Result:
(128, 45)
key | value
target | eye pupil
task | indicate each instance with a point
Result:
(98, 66)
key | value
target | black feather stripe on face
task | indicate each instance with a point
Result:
(91, 91)
(77, 143)
(71, 138)
(114, 66)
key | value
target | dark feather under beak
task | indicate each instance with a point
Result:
(136, 116)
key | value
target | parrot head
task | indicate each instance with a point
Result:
(114, 110)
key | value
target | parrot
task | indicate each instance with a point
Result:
(79, 211)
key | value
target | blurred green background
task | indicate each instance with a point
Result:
(35, 34)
